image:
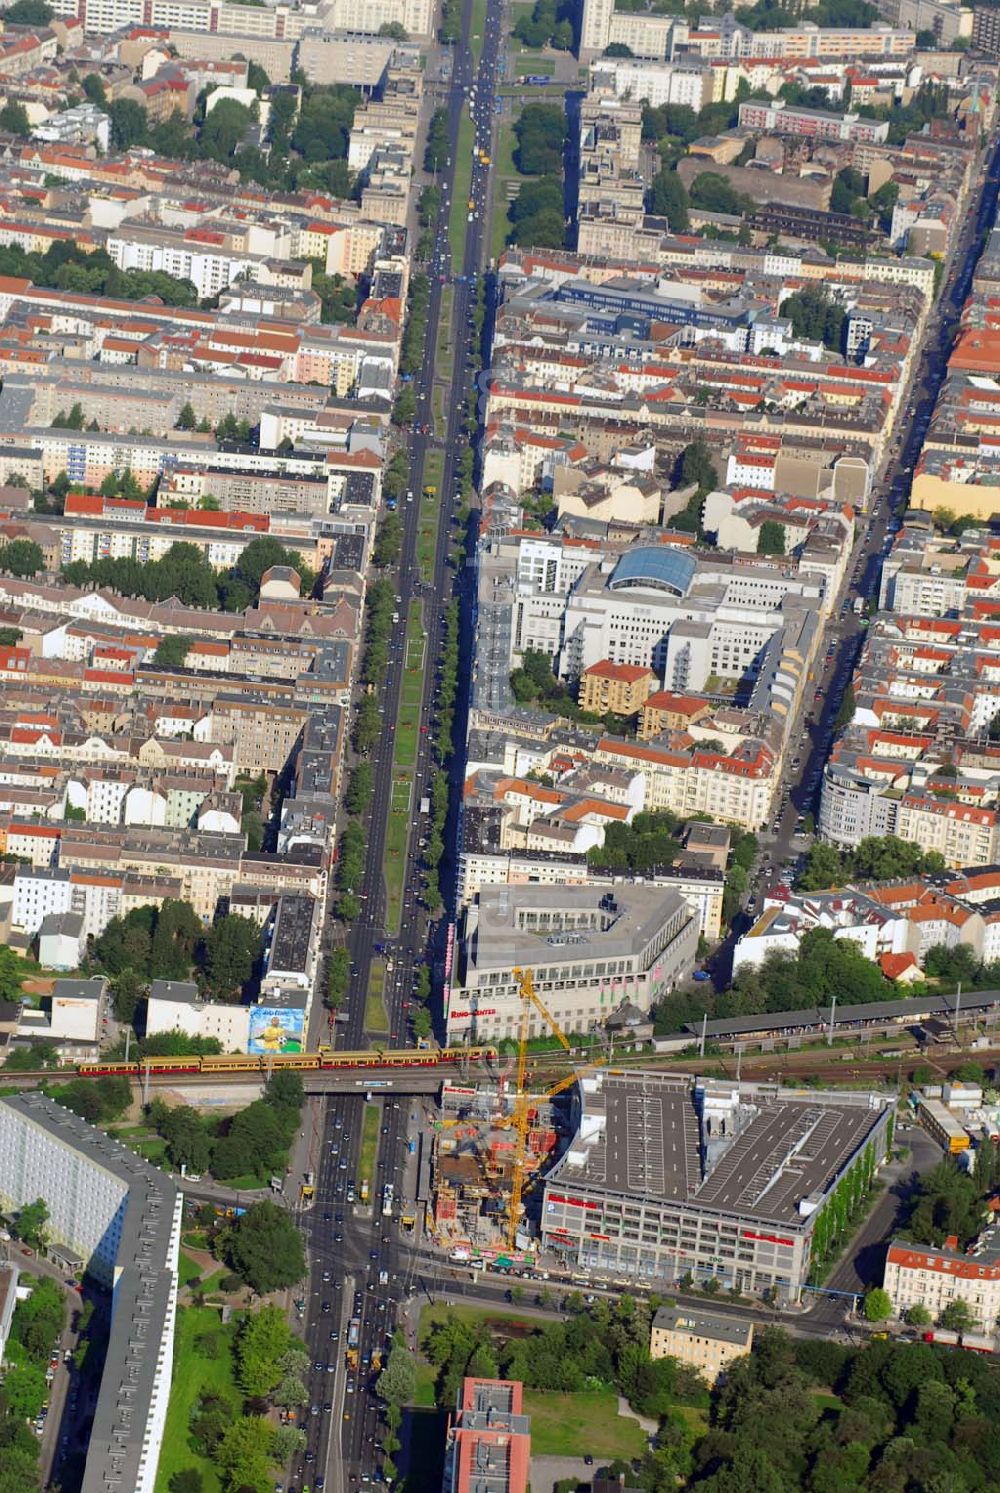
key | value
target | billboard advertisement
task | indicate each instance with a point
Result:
(275, 1029)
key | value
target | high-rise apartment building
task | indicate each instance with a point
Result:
(122, 1218)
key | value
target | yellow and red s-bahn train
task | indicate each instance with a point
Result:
(325, 1058)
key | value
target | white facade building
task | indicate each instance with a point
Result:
(175, 1006)
(123, 1218)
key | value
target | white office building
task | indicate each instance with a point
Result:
(589, 949)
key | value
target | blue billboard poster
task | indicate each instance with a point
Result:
(275, 1029)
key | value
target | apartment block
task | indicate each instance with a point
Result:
(706, 1341)
(122, 1219)
(776, 116)
(917, 1275)
(622, 689)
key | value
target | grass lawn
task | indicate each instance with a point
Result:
(154, 1150)
(478, 28)
(430, 512)
(214, 1281)
(194, 1239)
(405, 758)
(444, 321)
(527, 64)
(504, 171)
(369, 1145)
(694, 1415)
(397, 838)
(429, 515)
(827, 1401)
(563, 1423)
(248, 1183)
(375, 1017)
(188, 1269)
(194, 1373)
(457, 223)
(423, 1394)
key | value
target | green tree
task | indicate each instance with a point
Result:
(878, 1305)
(696, 465)
(285, 1094)
(24, 1390)
(538, 212)
(422, 1023)
(210, 1419)
(338, 976)
(172, 650)
(959, 1317)
(771, 538)
(39, 1318)
(12, 973)
(254, 1142)
(128, 124)
(405, 408)
(360, 789)
(263, 1340)
(287, 1441)
(186, 419)
(397, 1381)
(244, 1454)
(187, 1480)
(126, 990)
(715, 194)
(944, 1202)
(22, 557)
(918, 1316)
(668, 199)
(43, 1054)
(541, 139)
(189, 1144)
(264, 1247)
(31, 1223)
(14, 119)
(28, 13)
(176, 933)
(815, 316)
(231, 949)
(388, 541)
(223, 130)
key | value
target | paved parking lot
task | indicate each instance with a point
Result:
(547, 1471)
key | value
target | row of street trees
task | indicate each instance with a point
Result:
(395, 1387)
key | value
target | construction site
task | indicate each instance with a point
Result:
(489, 1145)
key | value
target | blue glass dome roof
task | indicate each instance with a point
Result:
(659, 567)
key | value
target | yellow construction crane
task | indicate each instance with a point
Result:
(522, 1099)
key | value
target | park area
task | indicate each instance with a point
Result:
(404, 761)
(196, 1374)
(531, 1344)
